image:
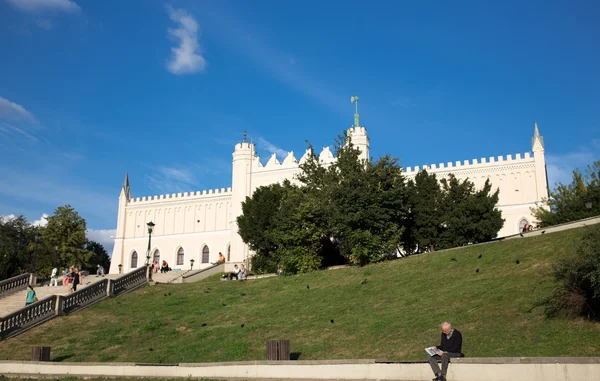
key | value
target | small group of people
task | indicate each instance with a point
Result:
(71, 279)
(529, 228)
(239, 273)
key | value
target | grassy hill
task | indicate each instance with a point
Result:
(393, 316)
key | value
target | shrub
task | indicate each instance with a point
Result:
(578, 292)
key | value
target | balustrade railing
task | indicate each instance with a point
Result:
(83, 297)
(30, 315)
(56, 305)
(16, 283)
(129, 281)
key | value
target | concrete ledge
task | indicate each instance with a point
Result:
(489, 369)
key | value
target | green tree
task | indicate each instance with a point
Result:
(568, 202)
(16, 237)
(66, 234)
(99, 257)
(425, 196)
(578, 290)
(468, 215)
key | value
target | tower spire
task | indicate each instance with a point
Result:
(126, 189)
(537, 142)
(354, 99)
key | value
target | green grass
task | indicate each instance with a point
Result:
(394, 316)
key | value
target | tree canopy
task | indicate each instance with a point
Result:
(568, 202)
(358, 211)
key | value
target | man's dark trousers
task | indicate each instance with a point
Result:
(446, 356)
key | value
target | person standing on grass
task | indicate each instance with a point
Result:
(30, 296)
(451, 347)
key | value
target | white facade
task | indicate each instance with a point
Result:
(199, 225)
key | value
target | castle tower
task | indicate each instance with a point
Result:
(358, 134)
(243, 156)
(117, 254)
(537, 146)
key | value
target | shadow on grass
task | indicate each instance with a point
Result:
(295, 355)
(62, 358)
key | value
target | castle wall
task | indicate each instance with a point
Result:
(185, 220)
(193, 221)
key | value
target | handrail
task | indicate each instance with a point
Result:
(16, 283)
(30, 315)
(129, 280)
(83, 297)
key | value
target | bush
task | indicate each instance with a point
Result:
(578, 293)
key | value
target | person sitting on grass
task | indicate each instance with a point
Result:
(450, 346)
(243, 272)
(234, 273)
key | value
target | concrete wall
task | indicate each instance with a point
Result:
(557, 369)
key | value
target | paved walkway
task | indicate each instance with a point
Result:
(16, 301)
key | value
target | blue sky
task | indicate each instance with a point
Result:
(90, 90)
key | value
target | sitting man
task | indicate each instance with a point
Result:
(234, 273)
(450, 346)
(221, 260)
(100, 271)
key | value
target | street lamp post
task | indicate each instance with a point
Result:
(191, 263)
(148, 272)
(120, 268)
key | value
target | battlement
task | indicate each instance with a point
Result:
(475, 163)
(290, 161)
(357, 131)
(181, 196)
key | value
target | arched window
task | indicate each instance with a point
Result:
(180, 255)
(228, 252)
(134, 259)
(522, 224)
(205, 254)
(156, 256)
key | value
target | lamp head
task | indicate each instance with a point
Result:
(150, 226)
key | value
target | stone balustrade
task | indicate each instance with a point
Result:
(27, 317)
(56, 305)
(129, 281)
(83, 297)
(16, 283)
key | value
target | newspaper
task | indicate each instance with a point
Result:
(433, 351)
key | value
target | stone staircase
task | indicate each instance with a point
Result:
(16, 301)
(169, 277)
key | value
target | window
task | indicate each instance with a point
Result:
(205, 254)
(180, 255)
(228, 252)
(156, 256)
(134, 259)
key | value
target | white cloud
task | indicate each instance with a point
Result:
(7, 218)
(171, 179)
(42, 221)
(67, 6)
(13, 111)
(187, 57)
(14, 131)
(560, 166)
(264, 145)
(103, 237)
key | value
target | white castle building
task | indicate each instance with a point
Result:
(199, 225)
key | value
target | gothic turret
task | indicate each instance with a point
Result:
(358, 135)
(243, 155)
(537, 146)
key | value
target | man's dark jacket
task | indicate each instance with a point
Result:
(453, 344)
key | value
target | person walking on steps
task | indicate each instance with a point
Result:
(450, 347)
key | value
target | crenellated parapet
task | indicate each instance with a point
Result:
(290, 162)
(204, 194)
(487, 163)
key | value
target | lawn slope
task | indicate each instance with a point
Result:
(331, 315)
